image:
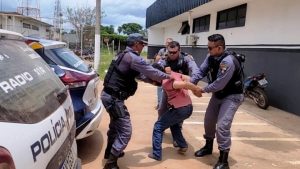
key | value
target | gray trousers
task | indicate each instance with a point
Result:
(218, 118)
(120, 129)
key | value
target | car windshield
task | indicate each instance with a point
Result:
(65, 57)
(28, 87)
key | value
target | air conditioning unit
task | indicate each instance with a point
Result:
(194, 39)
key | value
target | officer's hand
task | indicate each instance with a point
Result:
(185, 78)
(197, 92)
(171, 76)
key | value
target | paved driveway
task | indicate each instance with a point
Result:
(261, 139)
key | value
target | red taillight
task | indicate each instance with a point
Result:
(6, 161)
(74, 79)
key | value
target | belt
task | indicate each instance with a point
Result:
(117, 94)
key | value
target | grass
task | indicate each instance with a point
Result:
(105, 60)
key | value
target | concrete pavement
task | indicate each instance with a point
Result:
(261, 139)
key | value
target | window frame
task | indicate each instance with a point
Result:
(26, 26)
(36, 28)
(204, 27)
(232, 17)
(185, 28)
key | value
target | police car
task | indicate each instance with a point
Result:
(81, 79)
(37, 126)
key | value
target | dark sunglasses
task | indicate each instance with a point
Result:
(173, 53)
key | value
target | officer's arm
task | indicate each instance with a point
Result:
(193, 68)
(177, 84)
(200, 73)
(225, 73)
(140, 65)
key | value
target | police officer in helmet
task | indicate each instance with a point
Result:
(119, 84)
(225, 83)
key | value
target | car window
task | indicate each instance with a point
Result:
(29, 90)
(65, 57)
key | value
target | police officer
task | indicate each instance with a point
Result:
(119, 84)
(225, 82)
(163, 52)
(179, 62)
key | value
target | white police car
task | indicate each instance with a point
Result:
(81, 79)
(37, 127)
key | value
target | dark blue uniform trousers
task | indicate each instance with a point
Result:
(218, 118)
(120, 129)
(171, 119)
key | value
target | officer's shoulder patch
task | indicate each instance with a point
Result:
(223, 66)
(190, 57)
(142, 61)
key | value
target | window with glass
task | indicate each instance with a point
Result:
(29, 90)
(26, 25)
(35, 28)
(233, 17)
(201, 24)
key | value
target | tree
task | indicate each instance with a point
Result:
(107, 29)
(120, 29)
(144, 32)
(130, 28)
(81, 17)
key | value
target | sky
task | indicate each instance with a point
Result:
(117, 12)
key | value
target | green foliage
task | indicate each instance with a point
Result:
(107, 29)
(129, 28)
(105, 61)
(116, 38)
(119, 29)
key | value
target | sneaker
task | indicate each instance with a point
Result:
(154, 157)
(182, 150)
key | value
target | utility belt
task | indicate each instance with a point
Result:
(222, 94)
(121, 95)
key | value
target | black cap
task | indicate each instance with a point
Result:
(136, 37)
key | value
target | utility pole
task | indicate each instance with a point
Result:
(81, 32)
(97, 36)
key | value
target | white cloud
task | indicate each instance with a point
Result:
(117, 12)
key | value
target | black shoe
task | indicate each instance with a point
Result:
(111, 162)
(154, 157)
(223, 160)
(220, 165)
(111, 166)
(206, 150)
(106, 156)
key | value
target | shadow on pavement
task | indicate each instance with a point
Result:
(89, 148)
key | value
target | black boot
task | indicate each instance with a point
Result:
(223, 160)
(108, 149)
(111, 162)
(207, 149)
